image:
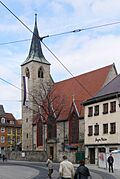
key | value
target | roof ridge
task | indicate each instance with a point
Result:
(85, 73)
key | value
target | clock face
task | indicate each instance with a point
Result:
(2, 120)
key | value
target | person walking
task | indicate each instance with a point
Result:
(110, 162)
(49, 164)
(4, 158)
(66, 169)
(82, 172)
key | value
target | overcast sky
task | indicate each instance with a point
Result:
(79, 52)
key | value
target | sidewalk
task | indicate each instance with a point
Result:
(94, 167)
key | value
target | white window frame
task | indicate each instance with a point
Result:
(2, 139)
(2, 129)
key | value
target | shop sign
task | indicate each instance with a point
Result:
(100, 139)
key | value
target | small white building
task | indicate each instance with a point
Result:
(102, 122)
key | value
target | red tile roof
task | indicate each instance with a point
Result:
(82, 87)
(10, 116)
(19, 122)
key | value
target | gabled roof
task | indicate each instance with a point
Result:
(112, 87)
(10, 117)
(82, 87)
(109, 91)
(35, 53)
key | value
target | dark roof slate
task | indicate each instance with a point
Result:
(109, 91)
(35, 53)
(2, 112)
(112, 87)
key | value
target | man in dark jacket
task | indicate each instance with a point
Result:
(110, 162)
(82, 171)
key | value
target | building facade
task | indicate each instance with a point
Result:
(10, 132)
(102, 114)
(35, 75)
(53, 117)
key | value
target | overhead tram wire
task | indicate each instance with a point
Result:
(10, 83)
(11, 100)
(17, 41)
(63, 33)
(46, 47)
(13, 85)
(83, 29)
(66, 69)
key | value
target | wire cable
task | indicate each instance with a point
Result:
(16, 17)
(17, 41)
(66, 69)
(64, 33)
(74, 31)
(79, 30)
(46, 47)
(10, 83)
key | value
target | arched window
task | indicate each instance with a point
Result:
(27, 72)
(40, 73)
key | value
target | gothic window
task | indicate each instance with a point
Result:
(40, 133)
(51, 128)
(40, 73)
(74, 128)
(27, 72)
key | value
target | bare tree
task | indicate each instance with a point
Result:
(48, 105)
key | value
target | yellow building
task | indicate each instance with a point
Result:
(10, 132)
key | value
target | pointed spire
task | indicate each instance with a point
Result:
(35, 53)
(35, 19)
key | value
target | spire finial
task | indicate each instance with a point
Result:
(35, 18)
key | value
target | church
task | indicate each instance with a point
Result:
(52, 113)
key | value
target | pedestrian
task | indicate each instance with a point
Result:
(66, 169)
(4, 158)
(82, 172)
(49, 164)
(110, 162)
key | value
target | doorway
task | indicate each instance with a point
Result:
(92, 155)
(52, 151)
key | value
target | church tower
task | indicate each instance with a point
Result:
(35, 71)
